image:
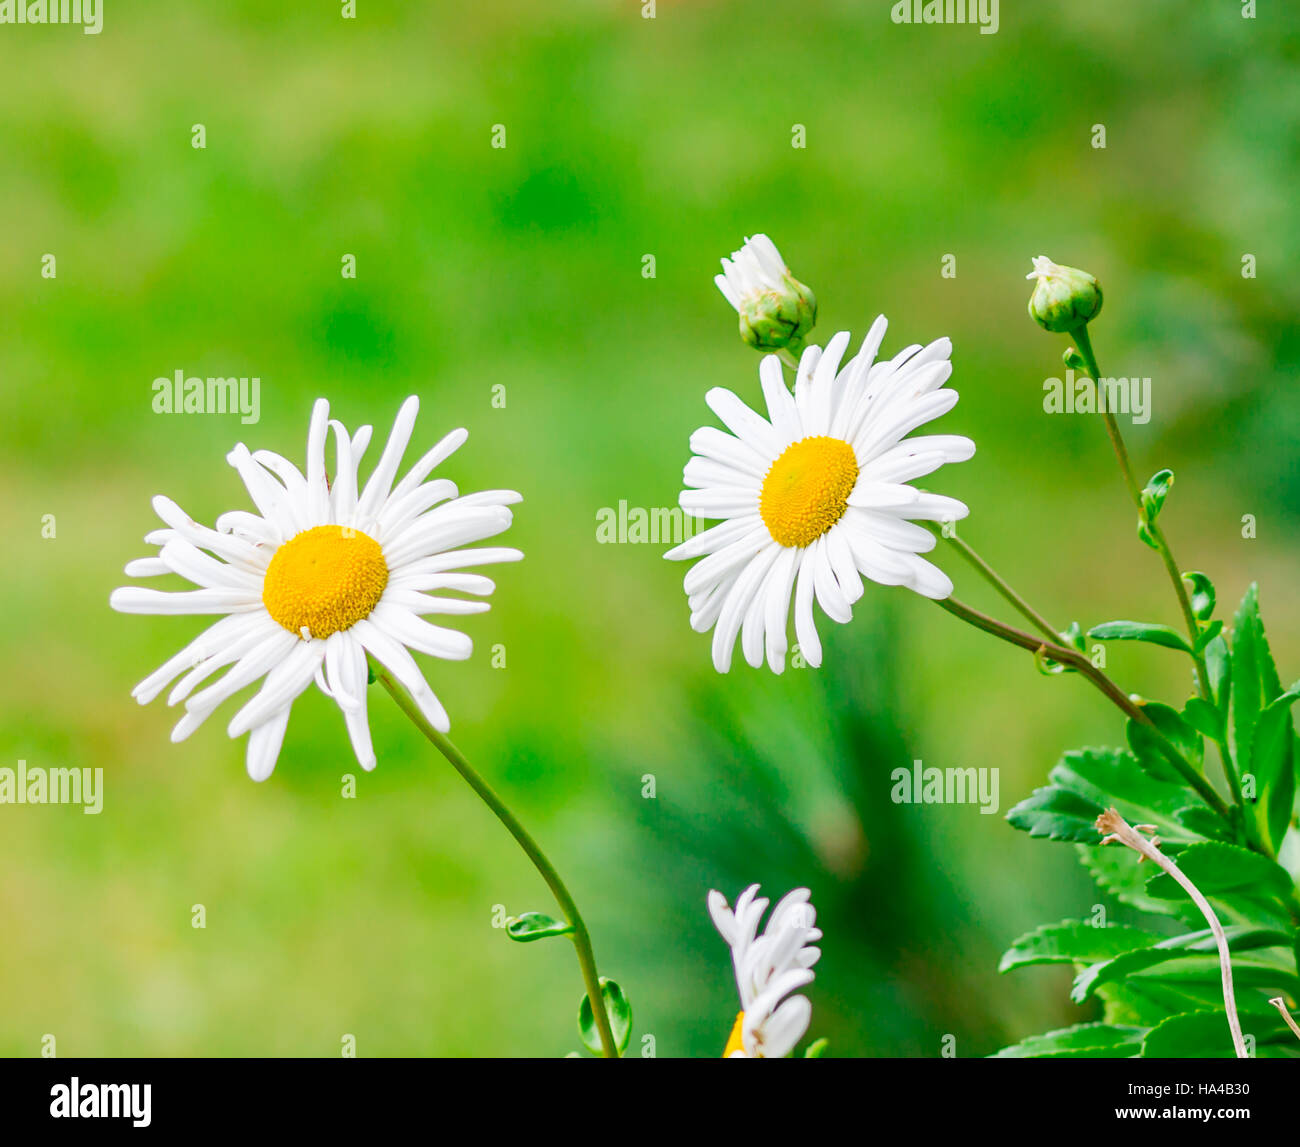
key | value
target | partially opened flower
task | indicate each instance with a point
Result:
(814, 496)
(775, 309)
(321, 575)
(768, 968)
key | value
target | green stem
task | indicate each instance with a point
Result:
(1084, 342)
(1017, 602)
(581, 938)
(1108, 688)
(1157, 534)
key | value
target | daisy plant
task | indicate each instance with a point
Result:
(814, 496)
(329, 581)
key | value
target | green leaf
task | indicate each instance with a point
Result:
(1216, 868)
(1191, 1035)
(1205, 822)
(1169, 722)
(1155, 493)
(1118, 968)
(1072, 638)
(1117, 871)
(1255, 683)
(619, 1011)
(1272, 759)
(1073, 942)
(1205, 1035)
(536, 926)
(1083, 1041)
(1202, 593)
(1192, 956)
(1146, 631)
(1218, 668)
(1205, 718)
(1148, 749)
(1087, 781)
(1058, 814)
(816, 1049)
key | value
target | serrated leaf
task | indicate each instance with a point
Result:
(1146, 631)
(619, 1011)
(1255, 684)
(1116, 871)
(1205, 1035)
(1118, 968)
(1191, 1035)
(1058, 814)
(1202, 594)
(1217, 868)
(1073, 942)
(1272, 761)
(1115, 777)
(1205, 822)
(1192, 957)
(1084, 782)
(532, 926)
(1083, 1041)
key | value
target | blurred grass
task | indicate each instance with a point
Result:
(521, 268)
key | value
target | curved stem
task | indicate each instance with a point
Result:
(1157, 534)
(581, 938)
(1112, 692)
(1084, 342)
(991, 575)
(1116, 828)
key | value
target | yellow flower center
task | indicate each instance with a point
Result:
(807, 489)
(324, 580)
(735, 1041)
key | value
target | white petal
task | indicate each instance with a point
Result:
(381, 480)
(744, 423)
(264, 745)
(283, 684)
(138, 599)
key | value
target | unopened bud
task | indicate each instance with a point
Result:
(1064, 298)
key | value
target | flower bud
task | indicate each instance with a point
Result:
(776, 310)
(1064, 298)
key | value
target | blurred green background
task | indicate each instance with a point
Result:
(521, 267)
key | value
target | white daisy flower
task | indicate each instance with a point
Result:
(321, 575)
(768, 968)
(814, 496)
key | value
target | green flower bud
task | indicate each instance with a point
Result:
(776, 310)
(1064, 298)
